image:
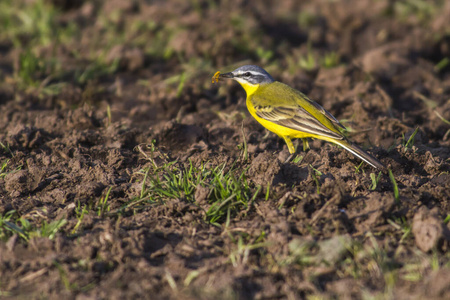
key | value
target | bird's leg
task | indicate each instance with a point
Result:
(290, 147)
(295, 143)
(289, 144)
(305, 144)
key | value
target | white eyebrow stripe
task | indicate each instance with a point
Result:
(254, 73)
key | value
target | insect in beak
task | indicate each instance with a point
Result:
(217, 76)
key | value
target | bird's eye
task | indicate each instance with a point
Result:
(247, 74)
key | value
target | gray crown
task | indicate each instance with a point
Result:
(258, 75)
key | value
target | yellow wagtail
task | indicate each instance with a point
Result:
(289, 113)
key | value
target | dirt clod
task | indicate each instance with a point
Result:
(428, 229)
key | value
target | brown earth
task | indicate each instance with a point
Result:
(321, 231)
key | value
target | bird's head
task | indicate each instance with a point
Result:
(250, 77)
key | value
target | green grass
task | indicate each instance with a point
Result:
(5, 148)
(227, 190)
(96, 69)
(442, 64)
(3, 172)
(80, 212)
(181, 84)
(100, 208)
(358, 168)
(421, 9)
(34, 26)
(244, 245)
(330, 60)
(32, 70)
(375, 179)
(447, 219)
(108, 115)
(70, 286)
(310, 61)
(362, 258)
(369, 259)
(395, 186)
(410, 142)
(8, 226)
(267, 192)
(403, 225)
(298, 159)
(315, 174)
(103, 206)
(264, 55)
(300, 253)
(307, 62)
(11, 224)
(32, 23)
(406, 143)
(35, 74)
(4, 169)
(442, 118)
(50, 229)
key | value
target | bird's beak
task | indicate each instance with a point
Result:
(226, 75)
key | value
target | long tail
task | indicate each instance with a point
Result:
(358, 152)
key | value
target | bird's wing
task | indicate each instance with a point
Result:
(282, 105)
(326, 113)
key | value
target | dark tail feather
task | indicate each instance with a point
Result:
(358, 152)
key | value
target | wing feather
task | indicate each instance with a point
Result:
(326, 113)
(289, 113)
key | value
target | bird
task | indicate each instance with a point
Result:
(289, 113)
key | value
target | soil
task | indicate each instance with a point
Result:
(69, 150)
